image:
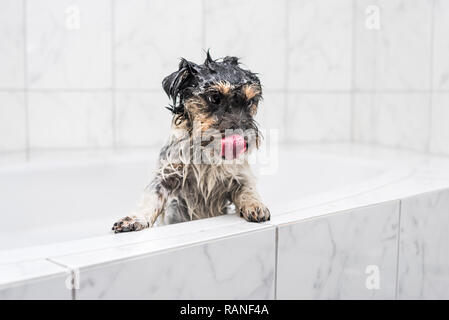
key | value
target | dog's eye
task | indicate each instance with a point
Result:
(214, 98)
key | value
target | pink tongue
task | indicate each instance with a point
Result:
(232, 147)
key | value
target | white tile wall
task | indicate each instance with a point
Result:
(316, 58)
(319, 44)
(70, 119)
(253, 30)
(11, 44)
(69, 43)
(12, 121)
(439, 139)
(271, 113)
(397, 55)
(150, 38)
(441, 45)
(319, 117)
(340, 256)
(424, 248)
(392, 119)
(142, 119)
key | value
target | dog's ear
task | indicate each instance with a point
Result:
(176, 82)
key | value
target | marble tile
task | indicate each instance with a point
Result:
(424, 247)
(439, 136)
(271, 114)
(392, 44)
(11, 44)
(318, 117)
(69, 43)
(319, 44)
(252, 30)
(142, 119)
(349, 255)
(441, 46)
(70, 119)
(235, 267)
(150, 38)
(395, 120)
(37, 279)
(12, 121)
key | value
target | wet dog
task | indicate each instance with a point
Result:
(203, 168)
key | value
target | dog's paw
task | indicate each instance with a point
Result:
(127, 224)
(255, 213)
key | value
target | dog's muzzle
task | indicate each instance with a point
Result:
(233, 146)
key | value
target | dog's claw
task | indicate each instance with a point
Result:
(127, 224)
(257, 213)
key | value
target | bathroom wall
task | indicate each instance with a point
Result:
(400, 75)
(79, 75)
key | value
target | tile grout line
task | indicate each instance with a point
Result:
(374, 76)
(113, 78)
(300, 91)
(25, 81)
(431, 84)
(398, 246)
(203, 24)
(285, 92)
(276, 260)
(353, 66)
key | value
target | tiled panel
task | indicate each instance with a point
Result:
(69, 43)
(319, 117)
(319, 44)
(11, 44)
(237, 267)
(424, 247)
(392, 44)
(12, 121)
(150, 38)
(253, 30)
(70, 119)
(142, 119)
(441, 45)
(396, 120)
(349, 255)
(271, 113)
(37, 279)
(52, 288)
(439, 139)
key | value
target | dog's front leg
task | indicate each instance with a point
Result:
(248, 203)
(152, 205)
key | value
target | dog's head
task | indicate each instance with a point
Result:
(218, 94)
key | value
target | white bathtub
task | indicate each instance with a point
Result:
(61, 212)
(60, 201)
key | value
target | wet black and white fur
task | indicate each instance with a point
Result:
(218, 95)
